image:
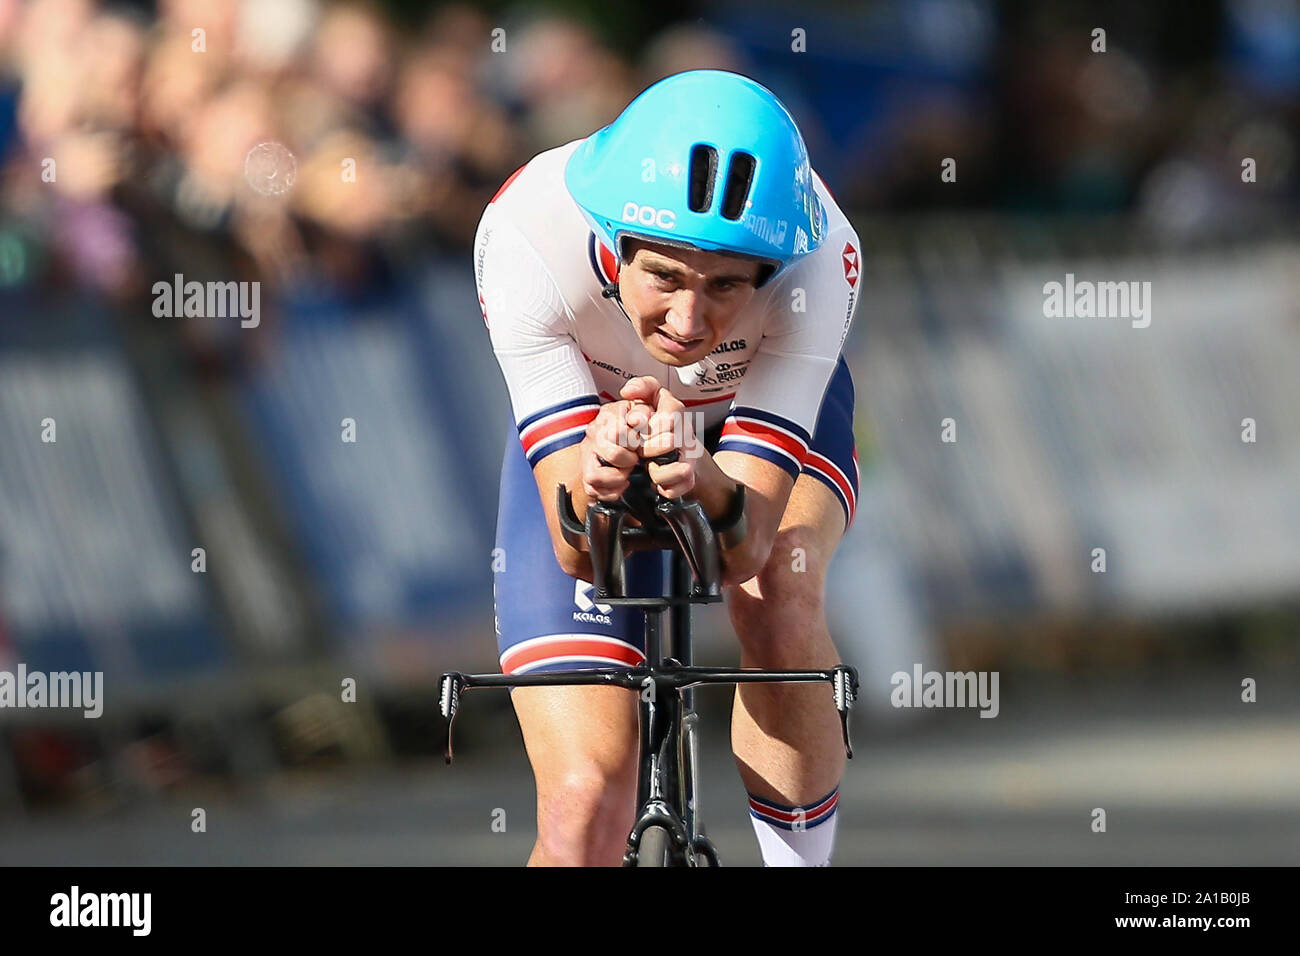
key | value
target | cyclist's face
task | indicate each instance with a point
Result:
(683, 301)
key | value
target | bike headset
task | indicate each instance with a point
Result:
(707, 160)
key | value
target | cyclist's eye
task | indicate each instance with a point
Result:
(724, 286)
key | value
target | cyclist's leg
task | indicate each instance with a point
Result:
(786, 737)
(581, 741)
(582, 744)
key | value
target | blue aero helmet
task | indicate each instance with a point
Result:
(705, 159)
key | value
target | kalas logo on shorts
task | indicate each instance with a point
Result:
(649, 216)
(582, 598)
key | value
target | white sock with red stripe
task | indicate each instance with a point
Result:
(795, 835)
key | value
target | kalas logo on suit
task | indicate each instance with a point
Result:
(735, 345)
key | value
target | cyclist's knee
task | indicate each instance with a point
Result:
(584, 816)
(787, 595)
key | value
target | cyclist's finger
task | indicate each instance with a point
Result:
(669, 430)
(610, 426)
(675, 420)
(659, 444)
(668, 403)
(639, 415)
(614, 455)
(638, 427)
(625, 423)
(675, 480)
(601, 479)
(643, 387)
(603, 489)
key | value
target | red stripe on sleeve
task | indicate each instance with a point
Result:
(760, 432)
(506, 184)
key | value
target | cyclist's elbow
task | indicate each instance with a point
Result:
(743, 562)
(574, 563)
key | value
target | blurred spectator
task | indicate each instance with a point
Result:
(690, 46)
(352, 54)
(568, 83)
(270, 34)
(401, 136)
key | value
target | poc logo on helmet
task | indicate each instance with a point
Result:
(649, 216)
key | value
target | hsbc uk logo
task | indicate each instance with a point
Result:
(850, 256)
(582, 598)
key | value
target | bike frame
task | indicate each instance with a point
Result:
(669, 748)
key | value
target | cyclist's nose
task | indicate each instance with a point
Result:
(686, 316)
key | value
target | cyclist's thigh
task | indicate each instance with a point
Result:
(832, 454)
(548, 621)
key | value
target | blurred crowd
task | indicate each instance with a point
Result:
(125, 137)
(126, 129)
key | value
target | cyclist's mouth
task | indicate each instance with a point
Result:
(677, 346)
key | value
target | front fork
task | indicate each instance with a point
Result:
(662, 782)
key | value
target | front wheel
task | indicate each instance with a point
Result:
(654, 847)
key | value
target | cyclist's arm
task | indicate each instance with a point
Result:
(551, 390)
(563, 468)
(765, 439)
(767, 490)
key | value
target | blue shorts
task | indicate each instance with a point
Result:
(546, 620)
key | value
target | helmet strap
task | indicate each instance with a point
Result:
(611, 292)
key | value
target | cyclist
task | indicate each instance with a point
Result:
(680, 279)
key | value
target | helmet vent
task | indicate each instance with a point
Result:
(740, 176)
(704, 169)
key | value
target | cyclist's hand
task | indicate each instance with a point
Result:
(644, 388)
(610, 449)
(670, 429)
